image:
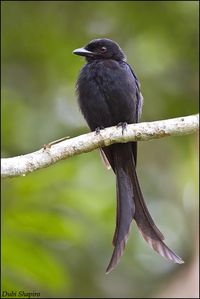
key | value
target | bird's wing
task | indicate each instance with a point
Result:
(139, 103)
(139, 97)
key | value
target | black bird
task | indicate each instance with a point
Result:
(109, 94)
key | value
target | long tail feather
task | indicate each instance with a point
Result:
(125, 208)
(146, 226)
(131, 205)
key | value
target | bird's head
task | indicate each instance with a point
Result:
(101, 48)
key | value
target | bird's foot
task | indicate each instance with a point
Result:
(98, 129)
(123, 125)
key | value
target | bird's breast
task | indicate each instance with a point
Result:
(107, 91)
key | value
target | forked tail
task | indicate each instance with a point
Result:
(131, 205)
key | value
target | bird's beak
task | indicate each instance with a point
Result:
(83, 52)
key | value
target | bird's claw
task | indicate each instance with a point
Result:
(123, 125)
(98, 129)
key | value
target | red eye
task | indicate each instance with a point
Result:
(103, 49)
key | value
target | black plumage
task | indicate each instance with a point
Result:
(109, 94)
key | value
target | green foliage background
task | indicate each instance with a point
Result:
(57, 223)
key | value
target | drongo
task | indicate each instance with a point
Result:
(109, 94)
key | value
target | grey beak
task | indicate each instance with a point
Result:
(82, 52)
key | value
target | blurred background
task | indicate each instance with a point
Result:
(58, 223)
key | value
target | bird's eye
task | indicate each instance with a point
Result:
(103, 49)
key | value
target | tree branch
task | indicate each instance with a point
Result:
(22, 165)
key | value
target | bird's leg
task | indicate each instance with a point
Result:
(98, 129)
(123, 125)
